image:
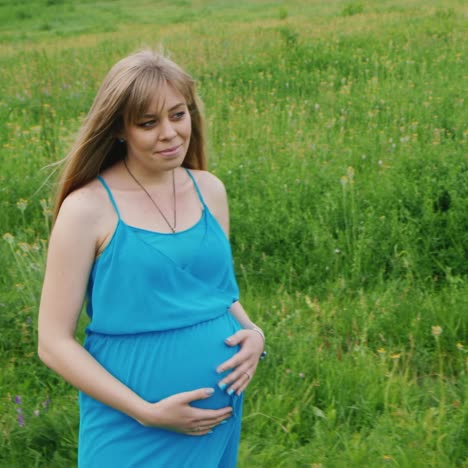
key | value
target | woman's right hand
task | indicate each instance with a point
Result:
(175, 413)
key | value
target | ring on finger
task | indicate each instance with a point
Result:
(248, 375)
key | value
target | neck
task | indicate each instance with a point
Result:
(172, 225)
(149, 178)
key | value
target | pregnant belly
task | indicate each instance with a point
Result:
(159, 364)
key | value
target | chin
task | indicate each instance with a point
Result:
(174, 161)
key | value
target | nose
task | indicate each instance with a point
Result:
(167, 130)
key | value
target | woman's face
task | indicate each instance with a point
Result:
(160, 138)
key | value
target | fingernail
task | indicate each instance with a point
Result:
(222, 385)
(228, 340)
(211, 432)
(230, 391)
(223, 422)
(209, 391)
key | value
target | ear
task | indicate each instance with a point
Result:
(118, 130)
(120, 136)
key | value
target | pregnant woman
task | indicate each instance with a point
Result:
(141, 234)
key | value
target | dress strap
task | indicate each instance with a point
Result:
(111, 198)
(196, 187)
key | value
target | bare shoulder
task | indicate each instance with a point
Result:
(84, 205)
(209, 183)
(72, 249)
(86, 215)
(215, 196)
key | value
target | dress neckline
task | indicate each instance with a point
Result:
(150, 231)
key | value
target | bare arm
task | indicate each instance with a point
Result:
(251, 338)
(70, 257)
(239, 312)
(71, 254)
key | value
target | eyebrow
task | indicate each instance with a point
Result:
(170, 110)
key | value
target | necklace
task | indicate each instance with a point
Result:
(171, 226)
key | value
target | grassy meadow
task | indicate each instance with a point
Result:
(339, 130)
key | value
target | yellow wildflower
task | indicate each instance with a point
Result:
(9, 238)
(22, 204)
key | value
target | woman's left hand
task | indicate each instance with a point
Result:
(244, 363)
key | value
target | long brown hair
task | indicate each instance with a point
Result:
(125, 94)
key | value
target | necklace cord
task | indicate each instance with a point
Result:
(171, 226)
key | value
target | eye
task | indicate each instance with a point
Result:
(178, 115)
(147, 124)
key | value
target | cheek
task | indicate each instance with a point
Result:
(144, 139)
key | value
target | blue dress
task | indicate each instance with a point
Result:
(158, 305)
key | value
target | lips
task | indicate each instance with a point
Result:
(169, 151)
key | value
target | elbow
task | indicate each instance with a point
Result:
(47, 342)
(53, 350)
(44, 353)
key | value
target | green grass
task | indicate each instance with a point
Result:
(339, 129)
